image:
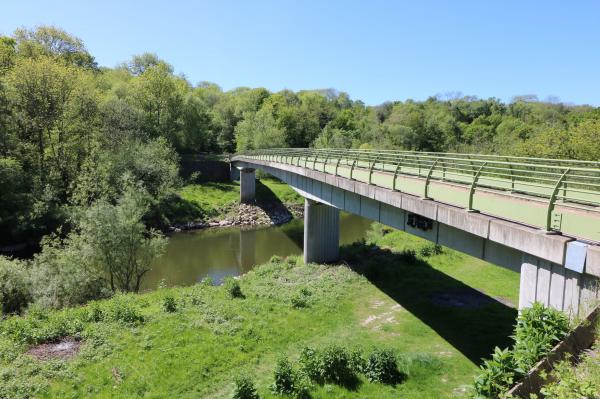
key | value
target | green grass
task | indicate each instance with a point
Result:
(377, 298)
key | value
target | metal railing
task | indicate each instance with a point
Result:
(570, 183)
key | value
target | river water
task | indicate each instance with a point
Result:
(220, 252)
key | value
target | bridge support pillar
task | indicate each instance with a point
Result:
(556, 286)
(247, 185)
(234, 173)
(321, 232)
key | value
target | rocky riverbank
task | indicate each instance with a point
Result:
(247, 215)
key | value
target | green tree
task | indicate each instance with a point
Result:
(117, 240)
(52, 41)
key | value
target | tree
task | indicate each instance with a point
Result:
(142, 62)
(55, 42)
(117, 240)
(259, 130)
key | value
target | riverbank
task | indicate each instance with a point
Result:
(438, 311)
(212, 204)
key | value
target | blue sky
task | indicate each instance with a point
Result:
(375, 50)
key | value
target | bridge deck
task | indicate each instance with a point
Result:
(554, 195)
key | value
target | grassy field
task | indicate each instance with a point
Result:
(440, 312)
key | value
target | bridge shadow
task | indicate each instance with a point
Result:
(268, 201)
(471, 321)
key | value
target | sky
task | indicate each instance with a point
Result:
(374, 50)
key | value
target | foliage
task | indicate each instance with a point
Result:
(244, 389)
(232, 286)
(580, 381)
(15, 285)
(63, 275)
(332, 364)
(169, 304)
(538, 329)
(431, 250)
(382, 366)
(285, 378)
(497, 374)
(117, 241)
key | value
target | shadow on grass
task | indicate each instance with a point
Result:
(268, 201)
(471, 321)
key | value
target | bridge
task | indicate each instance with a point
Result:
(539, 217)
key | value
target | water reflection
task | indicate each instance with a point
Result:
(216, 253)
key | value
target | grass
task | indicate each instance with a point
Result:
(378, 297)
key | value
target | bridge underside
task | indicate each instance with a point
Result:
(556, 270)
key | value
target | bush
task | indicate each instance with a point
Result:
(63, 276)
(430, 250)
(169, 304)
(244, 389)
(285, 378)
(333, 364)
(496, 374)
(233, 287)
(300, 299)
(382, 366)
(15, 286)
(538, 329)
(120, 310)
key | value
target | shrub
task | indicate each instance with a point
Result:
(382, 366)
(336, 365)
(285, 378)
(310, 363)
(169, 304)
(233, 287)
(332, 364)
(15, 285)
(496, 374)
(118, 309)
(356, 360)
(538, 329)
(430, 250)
(244, 389)
(62, 274)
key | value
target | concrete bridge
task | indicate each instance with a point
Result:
(539, 217)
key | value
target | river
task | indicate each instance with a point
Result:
(220, 252)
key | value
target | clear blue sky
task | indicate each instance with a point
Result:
(374, 50)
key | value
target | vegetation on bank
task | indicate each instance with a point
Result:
(408, 306)
(581, 380)
(537, 331)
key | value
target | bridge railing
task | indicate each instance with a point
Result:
(570, 183)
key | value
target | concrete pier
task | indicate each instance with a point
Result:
(234, 173)
(321, 232)
(247, 185)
